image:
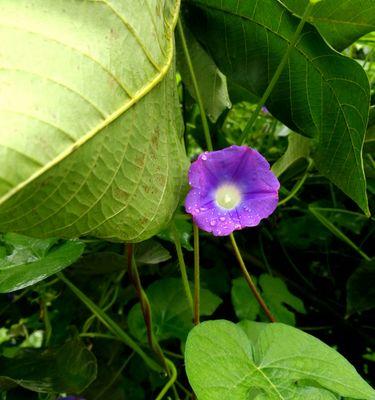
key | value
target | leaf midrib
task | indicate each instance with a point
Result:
(106, 122)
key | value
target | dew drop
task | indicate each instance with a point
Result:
(213, 222)
(237, 226)
(222, 218)
(204, 157)
(196, 210)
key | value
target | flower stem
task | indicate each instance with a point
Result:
(145, 305)
(246, 132)
(172, 380)
(168, 365)
(196, 276)
(206, 128)
(181, 261)
(250, 281)
(112, 326)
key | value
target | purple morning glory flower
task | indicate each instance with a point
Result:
(231, 189)
(70, 398)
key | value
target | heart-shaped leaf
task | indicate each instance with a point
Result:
(278, 363)
(89, 118)
(320, 93)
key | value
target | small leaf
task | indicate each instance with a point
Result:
(69, 369)
(31, 260)
(223, 363)
(276, 295)
(361, 289)
(244, 302)
(171, 313)
(211, 82)
(298, 148)
(184, 229)
(151, 252)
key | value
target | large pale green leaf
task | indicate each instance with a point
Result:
(340, 22)
(89, 119)
(320, 93)
(27, 260)
(69, 369)
(277, 363)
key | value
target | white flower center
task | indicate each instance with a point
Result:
(228, 196)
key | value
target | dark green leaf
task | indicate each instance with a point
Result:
(243, 300)
(69, 369)
(340, 22)
(31, 260)
(277, 296)
(171, 313)
(361, 289)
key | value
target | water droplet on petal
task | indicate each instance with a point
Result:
(203, 209)
(204, 157)
(213, 222)
(222, 218)
(237, 226)
(196, 210)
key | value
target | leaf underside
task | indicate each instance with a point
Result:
(89, 119)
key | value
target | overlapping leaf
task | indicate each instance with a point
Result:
(320, 93)
(340, 22)
(69, 368)
(27, 261)
(89, 119)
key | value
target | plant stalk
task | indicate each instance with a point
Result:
(112, 326)
(196, 276)
(181, 261)
(206, 128)
(250, 281)
(145, 306)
